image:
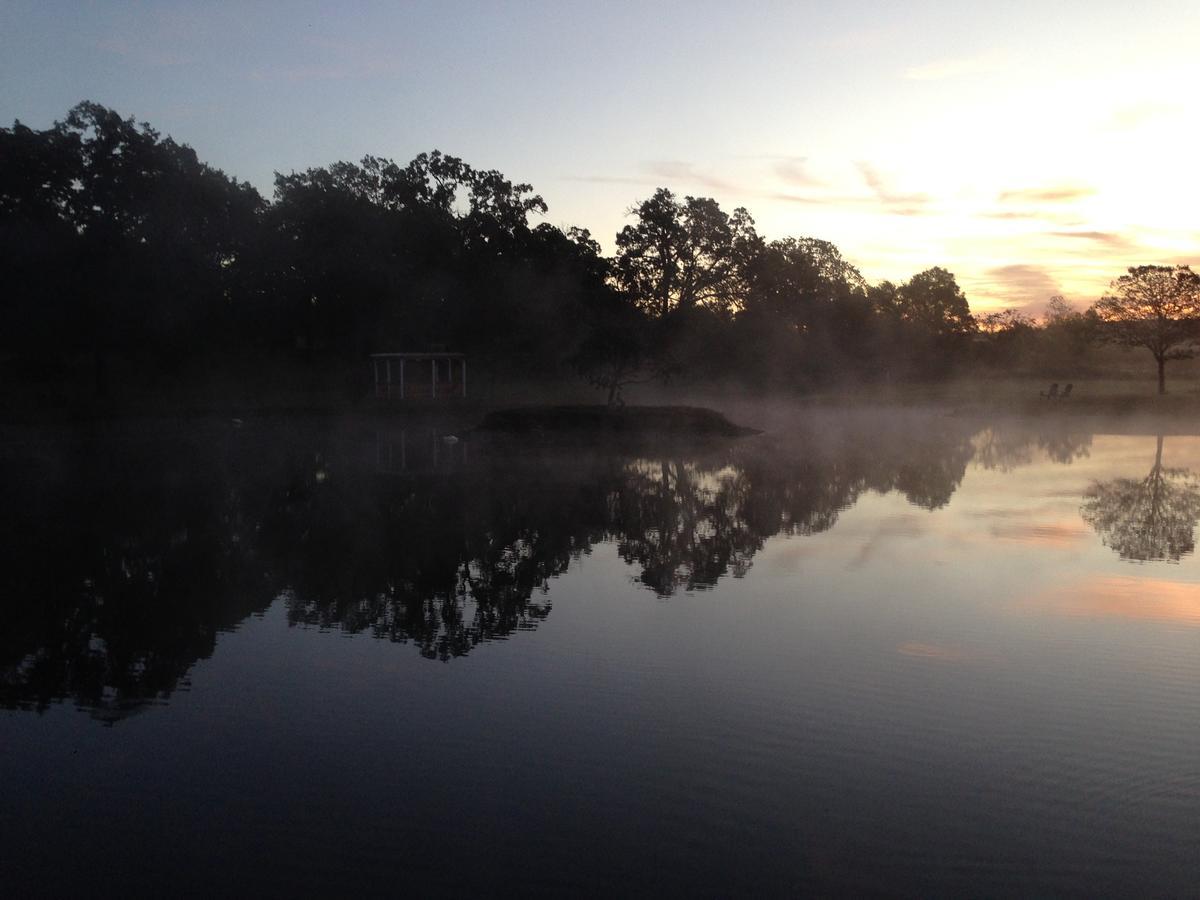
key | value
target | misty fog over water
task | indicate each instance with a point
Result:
(902, 652)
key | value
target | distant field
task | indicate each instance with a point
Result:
(1112, 380)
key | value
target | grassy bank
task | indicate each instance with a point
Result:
(283, 387)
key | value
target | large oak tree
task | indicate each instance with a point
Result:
(681, 255)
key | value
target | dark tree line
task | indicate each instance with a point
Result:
(115, 240)
(117, 243)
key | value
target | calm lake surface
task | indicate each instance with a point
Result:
(861, 653)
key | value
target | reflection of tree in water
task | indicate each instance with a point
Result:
(686, 524)
(1152, 518)
(1010, 445)
(1064, 447)
(442, 562)
(928, 468)
(126, 558)
(679, 524)
(119, 575)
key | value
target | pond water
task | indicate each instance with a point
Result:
(861, 653)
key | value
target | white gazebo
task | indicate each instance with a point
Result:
(414, 376)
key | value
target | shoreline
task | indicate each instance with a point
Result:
(1179, 411)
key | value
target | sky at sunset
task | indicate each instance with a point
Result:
(1031, 148)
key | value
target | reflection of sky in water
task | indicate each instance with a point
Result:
(1009, 543)
(980, 698)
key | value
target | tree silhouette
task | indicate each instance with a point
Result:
(805, 311)
(138, 240)
(152, 220)
(1156, 307)
(933, 301)
(684, 255)
(1153, 518)
(921, 325)
(121, 247)
(614, 353)
(37, 237)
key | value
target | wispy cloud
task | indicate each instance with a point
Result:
(611, 179)
(157, 56)
(163, 38)
(794, 170)
(1021, 285)
(666, 173)
(818, 199)
(1012, 214)
(954, 68)
(880, 196)
(1056, 194)
(687, 173)
(845, 201)
(335, 60)
(898, 203)
(1110, 239)
(1061, 216)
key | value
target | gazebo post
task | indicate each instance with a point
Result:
(390, 383)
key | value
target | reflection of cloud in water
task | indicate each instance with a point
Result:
(1105, 596)
(1057, 535)
(906, 527)
(934, 652)
(998, 513)
(790, 554)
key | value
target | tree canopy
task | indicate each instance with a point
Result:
(120, 245)
(684, 255)
(933, 301)
(1156, 307)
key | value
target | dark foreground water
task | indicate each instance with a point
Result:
(866, 653)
